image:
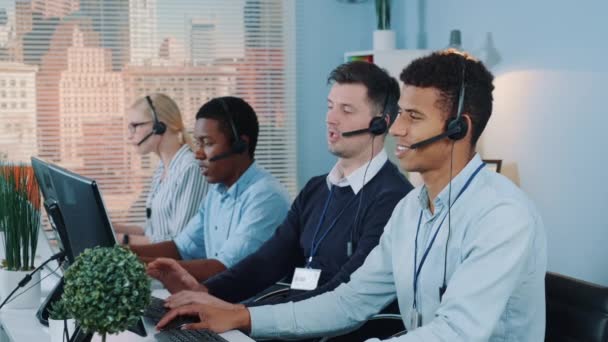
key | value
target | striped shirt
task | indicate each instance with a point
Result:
(173, 200)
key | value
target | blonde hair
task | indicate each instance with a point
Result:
(168, 112)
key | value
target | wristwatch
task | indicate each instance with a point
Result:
(125, 239)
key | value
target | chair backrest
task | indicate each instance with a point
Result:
(576, 310)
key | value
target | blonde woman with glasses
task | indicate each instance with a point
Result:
(155, 125)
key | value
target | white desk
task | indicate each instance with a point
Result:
(23, 326)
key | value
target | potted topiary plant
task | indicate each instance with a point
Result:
(106, 290)
(19, 223)
(61, 323)
(384, 37)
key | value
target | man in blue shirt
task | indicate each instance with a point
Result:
(242, 208)
(465, 254)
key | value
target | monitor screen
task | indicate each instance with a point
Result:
(84, 215)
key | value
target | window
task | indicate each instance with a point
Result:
(84, 64)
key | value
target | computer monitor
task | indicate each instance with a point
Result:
(43, 176)
(86, 222)
(75, 205)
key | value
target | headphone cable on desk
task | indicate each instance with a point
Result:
(52, 272)
(28, 278)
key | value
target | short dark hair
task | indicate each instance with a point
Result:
(239, 111)
(381, 87)
(443, 70)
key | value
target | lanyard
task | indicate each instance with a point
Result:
(315, 246)
(428, 249)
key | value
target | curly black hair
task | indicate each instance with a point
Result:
(235, 109)
(382, 89)
(443, 70)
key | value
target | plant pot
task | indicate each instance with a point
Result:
(56, 329)
(384, 40)
(25, 297)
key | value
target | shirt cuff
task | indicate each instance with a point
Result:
(264, 324)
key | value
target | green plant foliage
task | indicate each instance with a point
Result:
(106, 289)
(383, 14)
(19, 215)
(59, 311)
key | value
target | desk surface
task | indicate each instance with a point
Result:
(22, 325)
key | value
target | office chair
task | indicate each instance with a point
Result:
(576, 310)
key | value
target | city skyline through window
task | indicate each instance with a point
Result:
(70, 68)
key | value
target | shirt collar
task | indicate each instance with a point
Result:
(355, 179)
(241, 184)
(457, 183)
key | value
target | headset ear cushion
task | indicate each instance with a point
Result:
(378, 125)
(159, 128)
(239, 146)
(459, 126)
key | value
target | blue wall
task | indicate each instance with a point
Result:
(550, 114)
(325, 30)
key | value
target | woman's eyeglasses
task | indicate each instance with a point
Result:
(133, 125)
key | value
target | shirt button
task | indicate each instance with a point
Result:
(215, 254)
(215, 227)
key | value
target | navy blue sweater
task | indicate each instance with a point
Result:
(290, 246)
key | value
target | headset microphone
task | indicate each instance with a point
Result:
(158, 127)
(237, 148)
(379, 124)
(239, 145)
(456, 129)
(357, 132)
(145, 138)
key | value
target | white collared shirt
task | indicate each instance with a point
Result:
(355, 180)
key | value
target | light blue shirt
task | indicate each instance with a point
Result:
(496, 266)
(234, 222)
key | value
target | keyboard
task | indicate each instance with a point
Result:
(156, 310)
(188, 336)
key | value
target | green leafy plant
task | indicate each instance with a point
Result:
(106, 290)
(383, 14)
(59, 311)
(19, 215)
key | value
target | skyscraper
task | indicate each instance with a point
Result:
(77, 88)
(143, 42)
(18, 111)
(203, 41)
(35, 23)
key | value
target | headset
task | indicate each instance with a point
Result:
(158, 128)
(456, 128)
(379, 124)
(239, 145)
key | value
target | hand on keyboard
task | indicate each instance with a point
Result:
(180, 321)
(173, 276)
(216, 319)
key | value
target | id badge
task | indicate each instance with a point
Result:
(305, 279)
(415, 319)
